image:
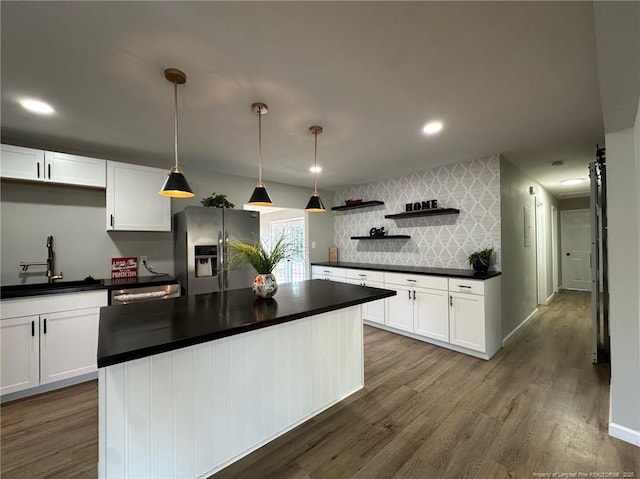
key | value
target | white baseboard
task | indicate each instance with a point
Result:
(48, 387)
(509, 337)
(624, 434)
(548, 300)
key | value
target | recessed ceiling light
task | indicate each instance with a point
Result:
(572, 181)
(37, 106)
(315, 169)
(432, 128)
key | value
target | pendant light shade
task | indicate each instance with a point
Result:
(260, 197)
(315, 204)
(176, 185)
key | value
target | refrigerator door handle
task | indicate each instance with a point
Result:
(226, 255)
(221, 252)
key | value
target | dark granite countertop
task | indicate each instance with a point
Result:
(87, 284)
(140, 330)
(390, 268)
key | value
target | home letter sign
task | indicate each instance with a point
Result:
(421, 205)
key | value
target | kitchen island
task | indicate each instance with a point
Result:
(190, 385)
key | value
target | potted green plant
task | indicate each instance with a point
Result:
(482, 260)
(217, 201)
(263, 260)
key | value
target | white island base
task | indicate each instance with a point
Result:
(190, 412)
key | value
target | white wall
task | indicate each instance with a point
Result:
(623, 195)
(29, 212)
(473, 187)
(519, 269)
(581, 203)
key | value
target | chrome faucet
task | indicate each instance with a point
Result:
(49, 264)
(50, 275)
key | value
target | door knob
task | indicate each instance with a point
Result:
(568, 254)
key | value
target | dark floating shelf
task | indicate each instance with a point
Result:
(381, 237)
(364, 204)
(415, 214)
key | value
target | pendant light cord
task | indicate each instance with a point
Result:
(315, 163)
(259, 146)
(175, 120)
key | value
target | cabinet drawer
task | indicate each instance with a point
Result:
(416, 280)
(466, 286)
(365, 275)
(328, 271)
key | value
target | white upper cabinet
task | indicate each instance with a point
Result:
(21, 163)
(133, 202)
(52, 167)
(75, 170)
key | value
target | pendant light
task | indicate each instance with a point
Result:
(176, 185)
(260, 197)
(315, 204)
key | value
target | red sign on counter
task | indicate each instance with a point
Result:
(124, 267)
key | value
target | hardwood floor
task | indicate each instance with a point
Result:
(539, 406)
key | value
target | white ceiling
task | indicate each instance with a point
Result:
(511, 77)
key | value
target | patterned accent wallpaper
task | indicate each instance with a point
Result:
(444, 241)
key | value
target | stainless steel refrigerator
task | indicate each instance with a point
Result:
(200, 250)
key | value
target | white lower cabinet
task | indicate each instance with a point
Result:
(400, 308)
(329, 273)
(460, 314)
(420, 306)
(475, 318)
(466, 319)
(432, 315)
(19, 354)
(456, 313)
(68, 344)
(44, 347)
(373, 311)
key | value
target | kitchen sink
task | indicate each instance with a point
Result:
(19, 290)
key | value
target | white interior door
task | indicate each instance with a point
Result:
(575, 246)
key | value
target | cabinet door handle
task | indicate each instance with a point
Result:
(33, 328)
(38, 169)
(409, 291)
(450, 300)
(414, 294)
(111, 221)
(49, 170)
(44, 325)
